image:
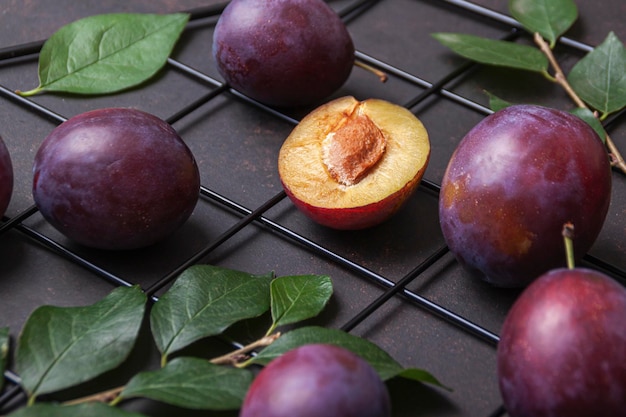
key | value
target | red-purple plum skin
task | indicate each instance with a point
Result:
(6, 177)
(115, 178)
(562, 348)
(283, 52)
(512, 183)
(317, 380)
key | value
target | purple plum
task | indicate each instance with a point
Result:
(317, 380)
(283, 52)
(115, 178)
(6, 177)
(562, 348)
(511, 184)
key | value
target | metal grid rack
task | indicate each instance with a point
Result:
(375, 291)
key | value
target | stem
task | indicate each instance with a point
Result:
(235, 356)
(616, 157)
(112, 396)
(380, 74)
(104, 397)
(29, 92)
(568, 238)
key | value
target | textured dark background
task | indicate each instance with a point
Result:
(444, 322)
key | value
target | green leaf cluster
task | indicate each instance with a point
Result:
(60, 347)
(599, 78)
(107, 53)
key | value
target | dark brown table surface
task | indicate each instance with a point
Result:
(443, 321)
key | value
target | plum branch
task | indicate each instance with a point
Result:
(108, 396)
(235, 357)
(617, 159)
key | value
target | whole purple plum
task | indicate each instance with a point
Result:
(6, 177)
(283, 52)
(511, 184)
(317, 380)
(115, 178)
(562, 348)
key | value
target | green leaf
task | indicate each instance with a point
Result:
(495, 52)
(107, 53)
(79, 410)
(600, 77)
(385, 365)
(496, 103)
(297, 298)
(4, 352)
(550, 18)
(204, 301)
(192, 383)
(423, 376)
(62, 346)
(588, 116)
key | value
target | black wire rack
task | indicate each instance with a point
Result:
(268, 217)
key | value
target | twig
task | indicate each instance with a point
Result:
(104, 397)
(616, 157)
(112, 396)
(236, 356)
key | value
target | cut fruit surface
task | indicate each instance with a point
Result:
(364, 157)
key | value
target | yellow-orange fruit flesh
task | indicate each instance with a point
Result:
(390, 161)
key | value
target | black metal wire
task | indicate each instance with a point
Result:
(256, 216)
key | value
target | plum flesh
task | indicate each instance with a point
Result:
(562, 349)
(511, 184)
(317, 380)
(283, 52)
(6, 177)
(115, 179)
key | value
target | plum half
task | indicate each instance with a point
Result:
(6, 177)
(351, 164)
(283, 52)
(115, 178)
(511, 184)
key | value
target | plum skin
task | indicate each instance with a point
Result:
(385, 187)
(356, 218)
(511, 184)
(6, 177)
(115, 178)
(283, 52)
(562, 347)
(317, 380)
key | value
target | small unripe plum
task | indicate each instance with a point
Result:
(115, 178)
(317, 380)
(283, 52)
(562, 348)
(6, 177)
(511, 184)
